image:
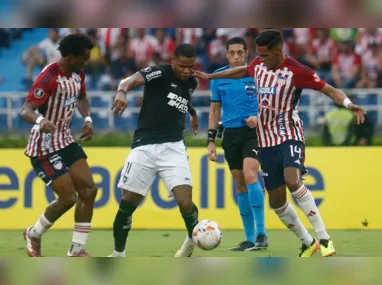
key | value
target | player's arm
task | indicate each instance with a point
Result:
(232, 73)
(214, 116)
(82, 100)
(37, 96)
(83, 107)
(215, 111)
(29, 114)
(127, 84)
(194, 120)
(340, 98)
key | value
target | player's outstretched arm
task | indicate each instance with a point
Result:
(232, 73)
(340, 98)
(131, 82)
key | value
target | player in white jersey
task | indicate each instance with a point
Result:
(279, 83)
(55, 156)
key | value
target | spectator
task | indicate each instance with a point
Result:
(370, 60)
(346, 66)
(165, 47)
(217, 50)
(338, 127)
(188, 35)
(364, 133)
(97, 63)
(367, 36)
(32, 57)
(122, 65)
(143, 46)
(321, 53)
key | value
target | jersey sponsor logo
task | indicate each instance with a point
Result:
(281, 81)
(38, 93)
(147, 69)
(281, 125)
(178, 102)
(154, 74)
(250, 90)
(70, 101)
(267, 90)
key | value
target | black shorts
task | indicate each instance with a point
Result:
(273, 160)
(55, 164)
(239, 143)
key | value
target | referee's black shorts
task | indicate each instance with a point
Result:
(239, 143)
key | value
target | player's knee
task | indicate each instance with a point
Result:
(250, 177)
(241, 188)
(276, 201)
(292, 184)
(89, 193)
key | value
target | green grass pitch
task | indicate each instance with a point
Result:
(164, 243)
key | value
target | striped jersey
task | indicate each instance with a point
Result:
(278, 93)
(55, 95)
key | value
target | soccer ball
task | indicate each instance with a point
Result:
(207, 235)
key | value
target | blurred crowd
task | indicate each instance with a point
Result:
(344, 57)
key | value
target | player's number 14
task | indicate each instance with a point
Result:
(294, 150)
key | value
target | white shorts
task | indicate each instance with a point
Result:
(144, 163)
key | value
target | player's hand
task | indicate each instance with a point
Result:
(47, 126)
(120, 104)
(194, 121)
(359, 112)
(200, 75)
(87, 132)
(212, 151)
(251, 122)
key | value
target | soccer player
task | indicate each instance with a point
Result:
(158, 147)
(237, 98)
(55, 156)
(279, 83)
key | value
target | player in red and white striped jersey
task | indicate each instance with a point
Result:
(279, 83)
(55, 156)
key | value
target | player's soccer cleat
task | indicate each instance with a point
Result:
(327, 247)
(261, 243)
(309, 251)
(117, 254)
(187, 248)
(242, 246)
(81, 253)
(33, 244)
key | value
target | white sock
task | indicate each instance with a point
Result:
(40, 228)
(80, 237)
(307, 204)
(288, 216)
